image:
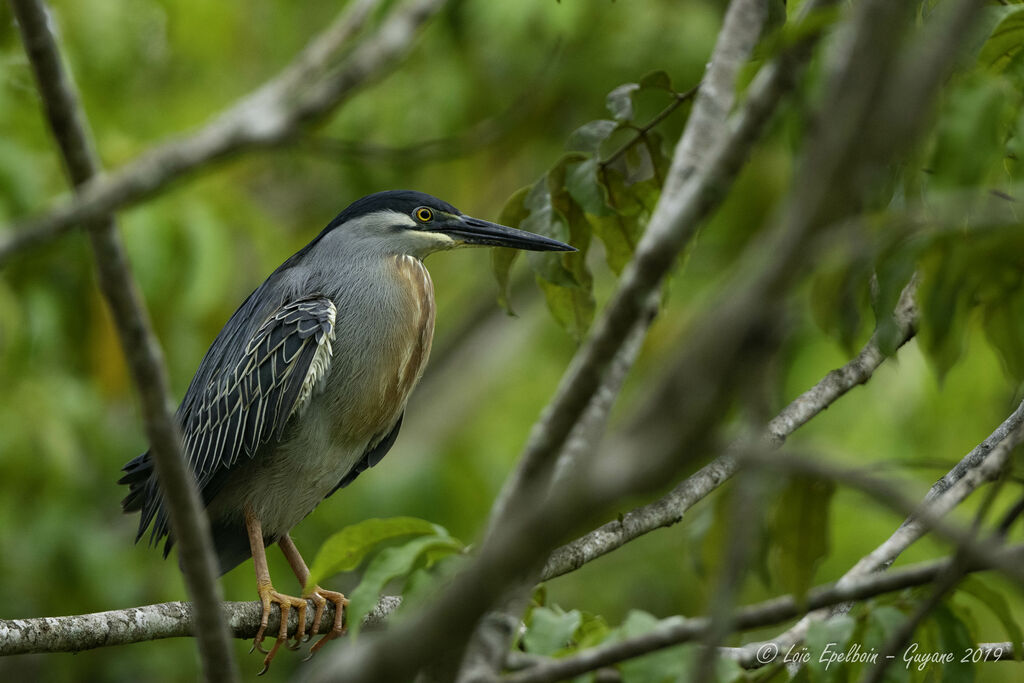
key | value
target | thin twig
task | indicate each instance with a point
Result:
(142, 351)
(678, 100)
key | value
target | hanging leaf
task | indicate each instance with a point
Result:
(512, 214)
(589, 137)
(1004, 328)
(955, 638)
(893, 272)
(658, 80)
(345, 550)
(837, 292)
(800, 527)
(944, 297)
(582, 184)
(1006, 41)
(972, 130)
(997, 604)
(620, 101)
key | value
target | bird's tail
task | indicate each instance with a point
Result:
(144, 497)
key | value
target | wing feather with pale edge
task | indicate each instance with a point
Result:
(248, 405)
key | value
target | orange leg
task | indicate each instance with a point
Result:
(318, 595)
(269, 596)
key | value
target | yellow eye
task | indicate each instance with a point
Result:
(423, 214)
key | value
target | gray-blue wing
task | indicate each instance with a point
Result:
(245, 404)
(248, 405)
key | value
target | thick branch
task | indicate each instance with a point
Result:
(304, 92)
(145, 360)
(153, 622)
(676, 630)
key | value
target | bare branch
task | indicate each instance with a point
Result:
(153, 622)
(670, 509)
(271, 115)
(675, 631)
(142, 351)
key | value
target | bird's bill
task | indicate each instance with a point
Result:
(470, 230)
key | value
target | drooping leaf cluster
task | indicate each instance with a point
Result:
(949, 214)
(605, 186)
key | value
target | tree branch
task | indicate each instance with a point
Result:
(304, 92)
(154, 622)
(671, 508)
(675, 631)
(141, 349)
(516, 548)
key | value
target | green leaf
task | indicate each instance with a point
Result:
(658, 80)
(825, 640)
(956, 640)
(572, 307)
(616, 234)
(563, 277)
(975, 121)
(1004, 328)
(512, 214)
(997, 604)
(588, 137)
(389, 564)
(550, 630)
(620, 101)
(883, 622)
(1006, 41)
(837, 291)
(894, 269)
(582, 184)
(672, 664)
(345, 550)
(427, 581)
(944, 298)
(593, 630)
(801, 532)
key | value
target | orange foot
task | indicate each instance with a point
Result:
(269, 596)
(320, 597)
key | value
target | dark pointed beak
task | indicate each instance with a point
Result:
(475, 231)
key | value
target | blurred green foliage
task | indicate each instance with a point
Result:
(518, 93)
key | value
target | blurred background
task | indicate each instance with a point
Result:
(483, 107)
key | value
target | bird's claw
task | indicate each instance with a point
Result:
(268, 597)
(320, 598)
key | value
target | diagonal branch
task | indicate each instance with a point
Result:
(305, 91)
(670, 508)
(188, 521)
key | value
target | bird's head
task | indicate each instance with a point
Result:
(415, 223)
